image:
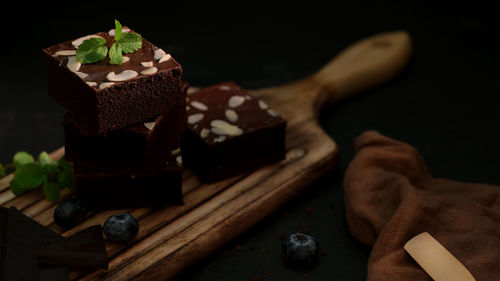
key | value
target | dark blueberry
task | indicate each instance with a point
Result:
(69, 213)
(121, 227)
(299, 248)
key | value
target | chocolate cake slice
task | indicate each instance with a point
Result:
(104, 97)
(230, 132)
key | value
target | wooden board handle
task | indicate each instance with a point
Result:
(362, 65)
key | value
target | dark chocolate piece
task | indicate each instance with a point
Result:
(144, 145)
(102, 104)
(131, 188)
(22, 238)
(84, 249)
(230, 132)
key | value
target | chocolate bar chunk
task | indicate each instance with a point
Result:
(23, 239)
(84, 249)
(230, 132)
(104, 96)
(145, 145)
(123, 188)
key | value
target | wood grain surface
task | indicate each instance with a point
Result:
(173, 238)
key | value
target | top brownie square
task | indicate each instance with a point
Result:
(106, 97)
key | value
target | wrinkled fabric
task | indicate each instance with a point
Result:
(391, 197)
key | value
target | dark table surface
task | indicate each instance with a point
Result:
(445, 103)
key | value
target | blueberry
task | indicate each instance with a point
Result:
(69, 213)
(300, 249)
(121, 227)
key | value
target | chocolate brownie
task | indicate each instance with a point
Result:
(131, 188)
(144, 145)
(104, 96)
(230, 132)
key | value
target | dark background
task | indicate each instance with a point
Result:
(445, 103)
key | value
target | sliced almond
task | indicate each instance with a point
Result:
(248, 97)
(176, 151)
(178, 159)
(204, 132)
(122, 76)
(263, 105)
(149, 71)
(73, 64)
(221, 127)
(147, 63)
(80, 40)
(231, 115)
(91, 84)
(125, 59)
(220, 139)
(106, 84)
(112, 32)
(64, 53)
(149, 125)
(192, 90)
(159, 54)
(165, 58)
(436, 260)
(81, 74)
(195, 118)
(236, 101)
(198, 105)
(225, 88)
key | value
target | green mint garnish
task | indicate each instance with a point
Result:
(92, 50)
(89, 52)
(115, 54)
(50, 174)
(130, 42)
(118, 30)
(22, 158)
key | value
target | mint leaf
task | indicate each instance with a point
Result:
(92, 50)
(22, 158)
(51, 191)
(130, 42)
(65, 175)
(115, 54)
(2, 171)
(27, 177)
(118, 30)
(45, 160)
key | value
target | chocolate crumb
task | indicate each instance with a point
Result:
(305, 276)
(309, 210)
(282, 235)
(237, 248)
(256, 279)
(323, 253)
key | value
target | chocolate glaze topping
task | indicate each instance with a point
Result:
(97, 72)
(231, 104)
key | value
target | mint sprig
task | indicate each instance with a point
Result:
(50, 174)
(91, 51)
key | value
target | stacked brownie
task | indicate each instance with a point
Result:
(123, 125)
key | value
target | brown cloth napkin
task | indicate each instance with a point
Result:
(391, 197)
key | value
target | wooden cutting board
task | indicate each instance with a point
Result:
(173, 238)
